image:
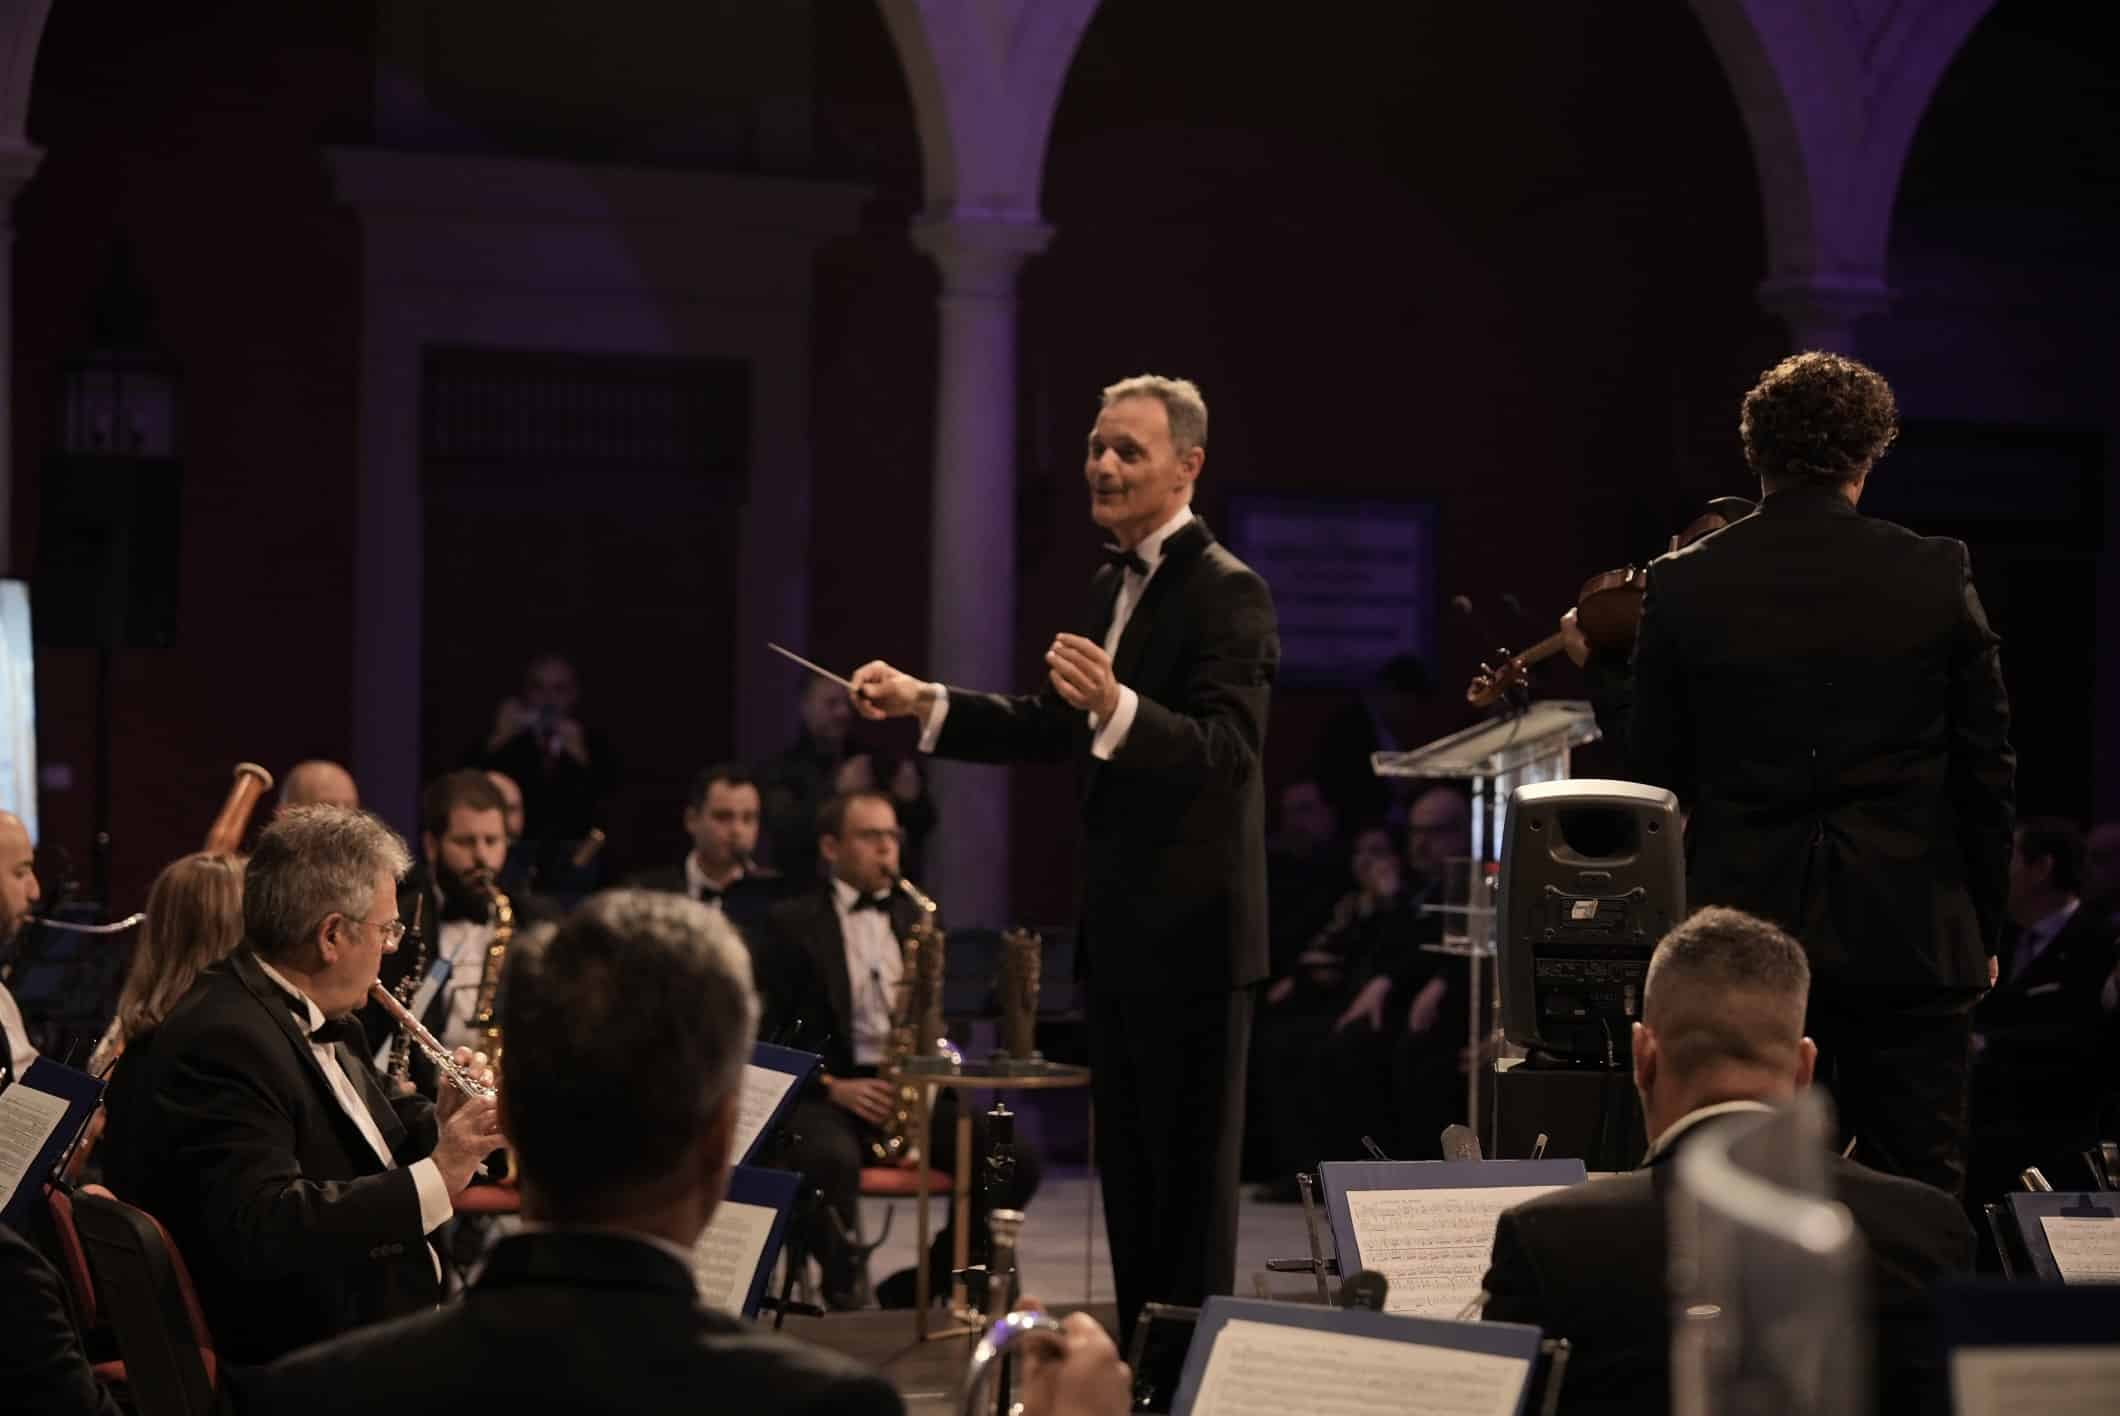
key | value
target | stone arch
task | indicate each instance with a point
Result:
(1831, 94)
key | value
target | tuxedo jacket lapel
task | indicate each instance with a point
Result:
(269, 996)
(1179, 553)
(828, 950)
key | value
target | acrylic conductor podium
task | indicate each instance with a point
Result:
(1495, 757)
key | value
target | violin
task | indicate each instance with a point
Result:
(1608, 609)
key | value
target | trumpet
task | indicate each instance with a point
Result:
(1005, 1330)
(426, 1042)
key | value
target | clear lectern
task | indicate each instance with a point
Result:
(1495, 757)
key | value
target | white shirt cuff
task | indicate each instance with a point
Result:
(938, 711)
(435, 1208)
(1111, 736)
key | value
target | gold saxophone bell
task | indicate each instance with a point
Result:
(917, 1041)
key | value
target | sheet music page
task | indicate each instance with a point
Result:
(762, 1090)
(2085, 1250)
(1432, 1245)
(725, 1259)
(1267, 1369)
(2053, 1381)
(27, 1119)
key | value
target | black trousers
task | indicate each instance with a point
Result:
(1169, 1091)
(1900, 1076)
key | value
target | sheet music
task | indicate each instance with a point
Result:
(27, 1119)
(1270, 1369)
(2053, 1381)
(2086, 1250)
(1432, 1245)
(725, 1259)
(762, 1090)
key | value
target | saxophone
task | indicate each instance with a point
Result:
(917, 1041)
(501, 914)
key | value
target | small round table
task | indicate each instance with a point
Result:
(1000, 1074)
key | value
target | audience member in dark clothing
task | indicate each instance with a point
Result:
(564, 769)
(1721, 1035)
(1386, 718)
(2039, 1034)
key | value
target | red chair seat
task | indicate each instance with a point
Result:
(489, 1199)
(895, 1182)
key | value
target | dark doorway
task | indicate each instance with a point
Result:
(586, 505)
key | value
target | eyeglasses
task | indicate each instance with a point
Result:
(393, 929)
(877, 835)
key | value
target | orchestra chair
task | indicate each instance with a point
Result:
(80, 1287)
(145, 1290)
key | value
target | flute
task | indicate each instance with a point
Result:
(116, 926)
(425, 1041)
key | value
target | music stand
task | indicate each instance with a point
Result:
(1495, 757)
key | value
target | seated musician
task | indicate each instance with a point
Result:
(592, 1309)
(833, 959)
(2039, 1034)
(18, 893)
(317, 782)
(463, 847)
(1721, 1034)
(251, 1124)
(194, 920)
(722, 820)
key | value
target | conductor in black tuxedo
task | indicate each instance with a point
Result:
(1721, 1035)
(621, 1119)
(252, 1125)
(1823, 692)
(1160, 704)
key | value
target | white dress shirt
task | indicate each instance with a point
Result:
(696, 881)
(1693, 1118)
(435, 1207)
(462, 943)
(19, 1053)
(875, 964)
(1110, 735)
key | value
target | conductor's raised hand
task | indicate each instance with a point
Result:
(880, 691)
(1082, 674)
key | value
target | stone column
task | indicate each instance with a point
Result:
(972, 541)
(1821, 310)
(18, 163)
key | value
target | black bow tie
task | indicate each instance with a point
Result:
(879, 903)
(1125, 560)
(346, 1030)
(708, 895)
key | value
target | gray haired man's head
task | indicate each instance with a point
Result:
(626, 1031)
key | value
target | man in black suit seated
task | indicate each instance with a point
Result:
(2039, 1036)
(721, 817)
(253, 1126)
(621, 1118)
(1822, 691)
(1721, 1034)
(832, 961)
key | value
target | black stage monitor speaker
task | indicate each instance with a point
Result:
(1592, 876)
